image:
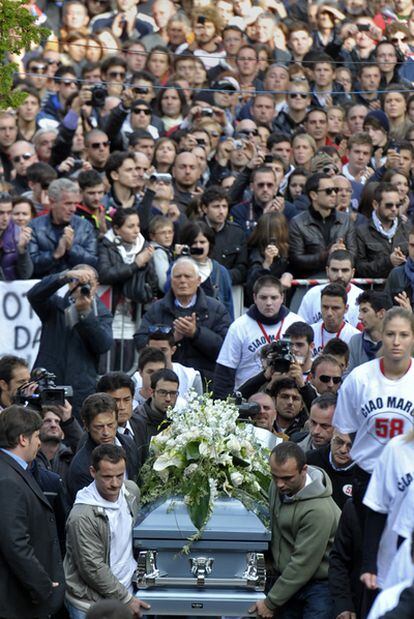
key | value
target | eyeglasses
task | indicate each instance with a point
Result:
(25, 157)
(262, 185)
(115, 74)
(38, 69)
(329, 190)
(69, 82)
(144, 110)
(341, 443)
(165, 329)
(163, 393)
(327, 379)
(298, 95)
(96, 145)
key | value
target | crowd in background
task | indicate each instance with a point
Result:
(198, 158)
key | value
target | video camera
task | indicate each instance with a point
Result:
(247, 410)
(279, 355)
(46, 394)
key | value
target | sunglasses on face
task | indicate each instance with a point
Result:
(24, 157)
(327, 379)
(248, 132)
(38, 69)
(115, 74)
(164, 329)
(329, 190)
(298, 95)
(69, 82)
(139, 110)
(96, 145)
(392, 204)
(330, 168)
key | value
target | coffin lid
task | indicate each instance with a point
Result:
(230, 521)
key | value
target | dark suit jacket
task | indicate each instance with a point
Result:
(30, 557)
(79, 475)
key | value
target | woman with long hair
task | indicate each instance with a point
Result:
(164, 154)
(125, 263)
(268, 249)
(171, 106)
(375, 405)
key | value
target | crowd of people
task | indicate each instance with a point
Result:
(179, 152)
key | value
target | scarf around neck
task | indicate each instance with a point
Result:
(388, 234)
(254, 313)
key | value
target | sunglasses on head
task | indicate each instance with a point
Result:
(327, 379)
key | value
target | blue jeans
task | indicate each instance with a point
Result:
(313, 601)
(74, 613)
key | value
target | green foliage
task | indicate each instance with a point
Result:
(17, 31)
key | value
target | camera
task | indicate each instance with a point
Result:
(46, 394)
(247, 410)
(238, 144)
(185, 250)
(99, 94)
(85, 290)
(77, 164)
(207, 111)
(279, 355)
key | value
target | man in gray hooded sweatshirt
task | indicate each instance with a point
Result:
(304, 519)
(99, 563)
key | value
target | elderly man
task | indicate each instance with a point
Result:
(200, 322)
(76, 329)
(22, 154)
(61, 240)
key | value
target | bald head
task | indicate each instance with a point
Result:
(186, 171)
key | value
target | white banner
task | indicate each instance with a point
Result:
(20, 327)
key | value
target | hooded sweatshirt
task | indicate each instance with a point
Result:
(121, 559)
(303, 528)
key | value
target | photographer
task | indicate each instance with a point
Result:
(76, 329)
(292, 359)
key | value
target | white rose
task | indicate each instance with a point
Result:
(233, 444)
(236, 478)
(190, 469)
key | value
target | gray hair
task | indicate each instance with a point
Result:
(40, 133)
(60, 185)
(186, 260)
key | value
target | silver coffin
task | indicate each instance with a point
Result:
(223, 573)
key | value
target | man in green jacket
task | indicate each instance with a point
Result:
(99, 563)
(304, 519)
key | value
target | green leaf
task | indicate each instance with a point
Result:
(198, 507)
(263, 480)
(192, 450)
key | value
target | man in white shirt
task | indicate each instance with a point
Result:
(334, 303)
(339, 270)
(264, 322)
(161, 337)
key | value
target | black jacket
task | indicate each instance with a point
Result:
(230, 250)
(374, 250)
(341, 480)
(345, 562)
(397, 282)
(79, 475)
(30, 559)
(70, 353)
(146, 423)
(115, 272)
(308, 250)
(201, 351)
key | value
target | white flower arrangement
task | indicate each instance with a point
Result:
(204, 452)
